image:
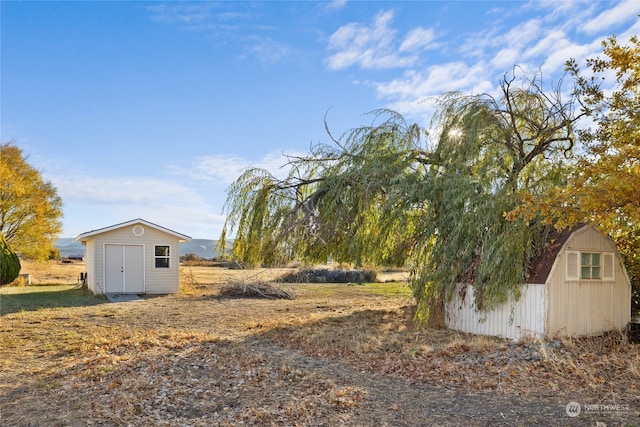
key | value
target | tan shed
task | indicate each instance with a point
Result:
(578, 287)
(134, 257)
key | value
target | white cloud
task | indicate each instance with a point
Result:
(530, 42)
(367, 46)
(415, 93)
(120, 190)
(220, 22)
(97, 202)
(268, 51)
(634, 30)
(181, 13)
(555, 61)
(552, 40)
(224, 169)
(539, 44)
(436, 80)
(189, 200)
(621, 13)
(197, 221)
(523, 34)
(565, 13)
(479, 45)
(505, 58)
(419, 38)
(336, 4)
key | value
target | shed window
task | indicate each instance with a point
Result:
(162, 256)
(590, 266)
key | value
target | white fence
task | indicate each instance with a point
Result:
(514, 319)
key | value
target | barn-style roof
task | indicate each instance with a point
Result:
(182, 237)
(540, 266)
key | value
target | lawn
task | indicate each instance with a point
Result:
(30, 298)
(335, 354)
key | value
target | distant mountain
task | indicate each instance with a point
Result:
(204, 248)
(68, 247)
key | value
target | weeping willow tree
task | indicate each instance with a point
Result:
(353, 200)
(394, 193)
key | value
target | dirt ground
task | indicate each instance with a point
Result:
(334, 355)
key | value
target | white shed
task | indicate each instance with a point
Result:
(577, 287)
(134, 257)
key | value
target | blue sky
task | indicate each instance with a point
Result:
(151, 109)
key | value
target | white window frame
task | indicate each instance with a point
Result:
(156, 257)
(574, 266)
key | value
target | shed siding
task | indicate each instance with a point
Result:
(587, 307)
(157, 280)
(515, 319)
(563, 306)
(588, 238)
(91, 265)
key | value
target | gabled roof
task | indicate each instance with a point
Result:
(82, 237)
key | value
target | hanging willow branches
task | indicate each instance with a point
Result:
(393, 193)
(349, 200)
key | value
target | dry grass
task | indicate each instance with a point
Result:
(213, 275)
(53, 272)
(334, 355)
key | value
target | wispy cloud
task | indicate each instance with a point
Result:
(182, 13)
(169, 203)
(633, 30)
(418, 39)
(267, 50)
(120, 190)
(553, 39)
(436, 79)
(414, 94)
(541, 44)
(515, 46)
(336, 4)
(624, 11)
(224, 24)
(375, 46)
(224, 169)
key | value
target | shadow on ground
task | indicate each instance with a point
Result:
(47, 298)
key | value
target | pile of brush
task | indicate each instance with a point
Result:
(324, 275)
(254, 290)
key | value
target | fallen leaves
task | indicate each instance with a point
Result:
(598, 367)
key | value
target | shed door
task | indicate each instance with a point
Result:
(124, 269)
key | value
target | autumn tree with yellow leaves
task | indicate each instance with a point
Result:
(30, 208)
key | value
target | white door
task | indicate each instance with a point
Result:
(124, 269)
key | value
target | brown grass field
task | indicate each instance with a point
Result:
(335, 354)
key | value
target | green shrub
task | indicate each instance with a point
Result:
(9, 263)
